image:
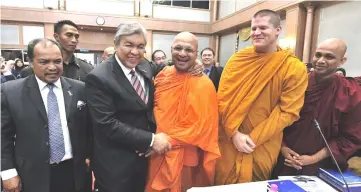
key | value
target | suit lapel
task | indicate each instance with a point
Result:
(35, 96)
(68, 95)
(124, 82)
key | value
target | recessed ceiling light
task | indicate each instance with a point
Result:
(101, 29)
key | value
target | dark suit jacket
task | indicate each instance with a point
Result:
(123, 123)
(23, 114)
(215, 75)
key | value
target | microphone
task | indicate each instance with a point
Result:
(315, 123)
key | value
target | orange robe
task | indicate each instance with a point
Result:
(259, 95)
(186, 110)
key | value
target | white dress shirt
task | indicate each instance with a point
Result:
(127, 71)
(44, 90)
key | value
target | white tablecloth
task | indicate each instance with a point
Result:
(317, 186)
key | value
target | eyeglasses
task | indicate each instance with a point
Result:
(160, 58)
(180, 49)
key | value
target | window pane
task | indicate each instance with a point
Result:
(32, 32)
(162, 2)
(200, 4)
(10, 34)
(182, 3)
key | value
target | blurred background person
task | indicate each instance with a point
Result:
(159, 57)
(18, 66)
(340, 71)
(109, 51)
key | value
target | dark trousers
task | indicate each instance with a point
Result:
(62, 177)
(134, 182)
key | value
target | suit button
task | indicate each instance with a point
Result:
(45, 126)
(47, 143)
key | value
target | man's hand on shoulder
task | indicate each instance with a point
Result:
(243, 142)
(197, 69)
(12, 184)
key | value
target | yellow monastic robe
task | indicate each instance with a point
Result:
(259, 95)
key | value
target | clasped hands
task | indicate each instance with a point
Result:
(243, 142)
(292, 159)
(160, 145)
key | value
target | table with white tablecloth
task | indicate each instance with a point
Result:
(317, 185)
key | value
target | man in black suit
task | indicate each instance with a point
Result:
(43, 129)
(120, 99)
(208, 62)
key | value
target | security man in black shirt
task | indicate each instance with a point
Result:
(67, 35)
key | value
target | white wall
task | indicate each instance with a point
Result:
(187, 14)
(344, 21)
(164, 42)
(116, 7)
(240, 4)
(227, 47)
(32, 32)
(226, 7)
(23, 3)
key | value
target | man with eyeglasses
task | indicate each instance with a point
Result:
(190, 121)
(159, 57)
(120, 95)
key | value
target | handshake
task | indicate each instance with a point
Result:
(160, 145)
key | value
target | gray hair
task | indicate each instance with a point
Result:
(126, 29)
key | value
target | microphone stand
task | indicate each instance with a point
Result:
(315, 123)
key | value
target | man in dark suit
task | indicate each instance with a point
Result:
(43, 129)
(208, 62)
(120, 99)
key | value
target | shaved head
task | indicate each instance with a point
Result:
(329, 55)
(108, 52)
(186, 36)
(184, 51)
(337, 45)
(274, 18)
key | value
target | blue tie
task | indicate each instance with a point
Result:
(56, 139)
(206, 71)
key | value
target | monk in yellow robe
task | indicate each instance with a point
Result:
(185, 108)
(261, 92)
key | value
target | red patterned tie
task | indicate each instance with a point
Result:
(137, 86)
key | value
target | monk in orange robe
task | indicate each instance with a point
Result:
(186, 110)
(261, 92)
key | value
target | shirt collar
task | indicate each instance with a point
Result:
(125, 69)
(42, 84)
(209, 68)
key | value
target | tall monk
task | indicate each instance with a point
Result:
(335, 102)
(185, 108)
(260, 93)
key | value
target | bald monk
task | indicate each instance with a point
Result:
(261, 92)
(335, 102)
(185, 108)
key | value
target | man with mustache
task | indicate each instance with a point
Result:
(67, 35)
(190, 121)
(43, 126)
(208, 62)
(335, 102)
(261, 92)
